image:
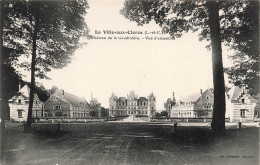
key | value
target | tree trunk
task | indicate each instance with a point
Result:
(2, 127)
(219, 109)
(33, 63)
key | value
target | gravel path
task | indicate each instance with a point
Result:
(130, 143)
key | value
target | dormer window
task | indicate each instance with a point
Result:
(243, 100)
(19, 101)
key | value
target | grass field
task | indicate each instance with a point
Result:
(130, 143)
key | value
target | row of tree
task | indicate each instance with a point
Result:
(233, 23)
(46, 32)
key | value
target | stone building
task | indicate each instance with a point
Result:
(19, 104)
(193, 106)
(242, 105)
(63, 104)
(132, 105)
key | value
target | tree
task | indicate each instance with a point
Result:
(157, 114)
(164, 113)
(177, 17)
(104, 112)
(51, 31)
(92, 113)
(242, 28)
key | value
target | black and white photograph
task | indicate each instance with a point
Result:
(129, 82)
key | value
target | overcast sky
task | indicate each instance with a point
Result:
(144, 66)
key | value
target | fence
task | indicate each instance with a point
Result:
(194, 120)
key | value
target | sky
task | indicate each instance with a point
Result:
(103, 66)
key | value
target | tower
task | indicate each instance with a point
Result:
(151, 104)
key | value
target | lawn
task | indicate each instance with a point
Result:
(130, 143)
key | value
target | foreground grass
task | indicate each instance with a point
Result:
(131, 143)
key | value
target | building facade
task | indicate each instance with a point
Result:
(242, 105)
(132, 105)
(194, 106)
(19, 104)
(63, 104)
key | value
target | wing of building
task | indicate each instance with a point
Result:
(242, 105)
(64, 104)
(19, 104)
(132, 105)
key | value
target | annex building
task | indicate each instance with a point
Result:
(196, 105)
(64, 104)
(19, 104)
(132, 105)
(242, 105)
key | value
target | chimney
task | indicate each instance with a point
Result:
(62, 92)
(201, 92)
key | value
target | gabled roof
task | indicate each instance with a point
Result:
(72, 99)
(234, 93)
(25, 91)
(191, 98)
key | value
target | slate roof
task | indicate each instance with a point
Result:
(75, 100)
(191, 98)
(121, 99)
(143, 99)
(24, 91)
(235, 92)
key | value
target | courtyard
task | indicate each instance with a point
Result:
(130, 143)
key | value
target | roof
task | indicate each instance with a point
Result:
(25, 91)
(234, 92)
(121, 99)
(143, 99)
(73, 99)
(132, 94)
(190, 98)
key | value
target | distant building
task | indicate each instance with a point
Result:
(169, 104)
(95, 106)
(242, 104)
(19, 104)
(193, 106)
(132, 105)
(63, 104)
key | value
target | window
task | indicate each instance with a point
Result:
(243, 113)
(243, 100)
(207, 97)
(56, 107)
(19, 101)
(20, 113)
